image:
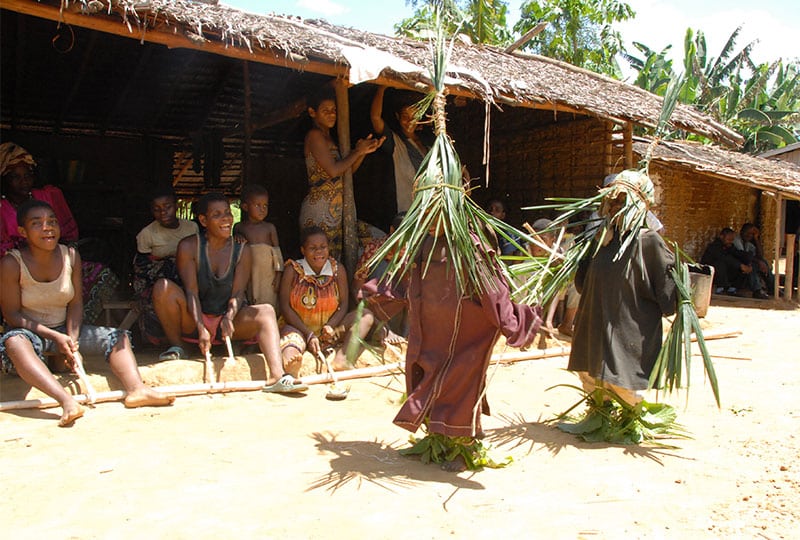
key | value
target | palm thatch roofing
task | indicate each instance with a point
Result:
(316, 46)
(778, 177)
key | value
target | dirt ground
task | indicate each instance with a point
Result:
(253, 465)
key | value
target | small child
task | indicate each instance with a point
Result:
(497, 208)
(267, 268)
(156, 246)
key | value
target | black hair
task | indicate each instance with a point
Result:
(311, 231)
(26, 208)
(163, 190)
(201, 207)
(322, 94)
(252, 190)
(746, 227)
(726, 230)
(490, 202)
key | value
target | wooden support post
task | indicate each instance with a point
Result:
(788, 283)
(609, 149)
(778, 235)
(627, 139)
(248, 124)
(350, 241)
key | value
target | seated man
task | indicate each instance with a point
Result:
(731, 268)
(749, 241)
(211, 306)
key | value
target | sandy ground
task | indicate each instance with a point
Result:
(252, 465)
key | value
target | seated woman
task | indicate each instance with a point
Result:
(322, 207)
(749, 241)
(42, 304)
(18, 174)
(156, 246)
(313, 298)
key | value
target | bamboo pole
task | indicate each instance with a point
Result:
(350, 241)
(788, 280)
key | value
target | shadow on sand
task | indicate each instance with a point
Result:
(378, 463)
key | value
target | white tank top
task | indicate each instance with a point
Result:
(46, 301)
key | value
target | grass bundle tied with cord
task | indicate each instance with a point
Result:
(441, 204)
(675, 357)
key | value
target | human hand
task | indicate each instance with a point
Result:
(368, 145)
(239, 239)
(313, 345)
(746, 269)
(67, 346)
(226, 325)
(204, 340)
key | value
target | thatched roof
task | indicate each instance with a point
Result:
(765, 174)
(319, 47)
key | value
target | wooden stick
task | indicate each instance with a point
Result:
(720, 334)
(246, 386)
(91, 394)
(230, 360)
(209, 376)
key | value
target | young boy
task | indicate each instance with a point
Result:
(42, 304)
(215, 270)
(265, 278)
(156, 246)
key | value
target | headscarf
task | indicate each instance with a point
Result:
(11, 155)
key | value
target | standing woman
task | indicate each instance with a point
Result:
(42, 305)
(18, 175)
(405, 146)
(325, 166)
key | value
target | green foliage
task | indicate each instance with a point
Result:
(580, 32)
(484, 21)
(675, 355)
(759, 101)
(438, 448)
(609, 418)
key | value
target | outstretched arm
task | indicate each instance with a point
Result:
(317, 145)
(376, 111)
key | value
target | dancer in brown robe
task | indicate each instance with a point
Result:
(450, 343)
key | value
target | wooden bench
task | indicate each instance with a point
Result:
(130, 317)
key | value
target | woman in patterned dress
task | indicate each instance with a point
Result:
(322, 207)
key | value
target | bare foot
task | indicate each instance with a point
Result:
(147, 397)
(566, 330)
(456, 465)
(70, 414)
(292, 365)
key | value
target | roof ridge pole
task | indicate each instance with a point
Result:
(350, 242)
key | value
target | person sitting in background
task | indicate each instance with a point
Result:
(17, 176)
(384, 302)
(42, 304)
(314, 299)
(749, 241)
(497, 208)
(262, 237)
(211, 306)
(731, 271)
(156, 246)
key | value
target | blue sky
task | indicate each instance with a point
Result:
(774, 23)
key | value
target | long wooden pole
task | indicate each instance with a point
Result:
(778, 236)
(350, 241)
(788, 282)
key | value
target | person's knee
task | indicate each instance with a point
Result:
(164, 290)
(265, 316)
(17, 346)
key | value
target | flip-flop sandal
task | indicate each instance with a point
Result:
(173, 353)
(286, 385)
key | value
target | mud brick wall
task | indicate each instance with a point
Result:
(535, 154)
(694, 207)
